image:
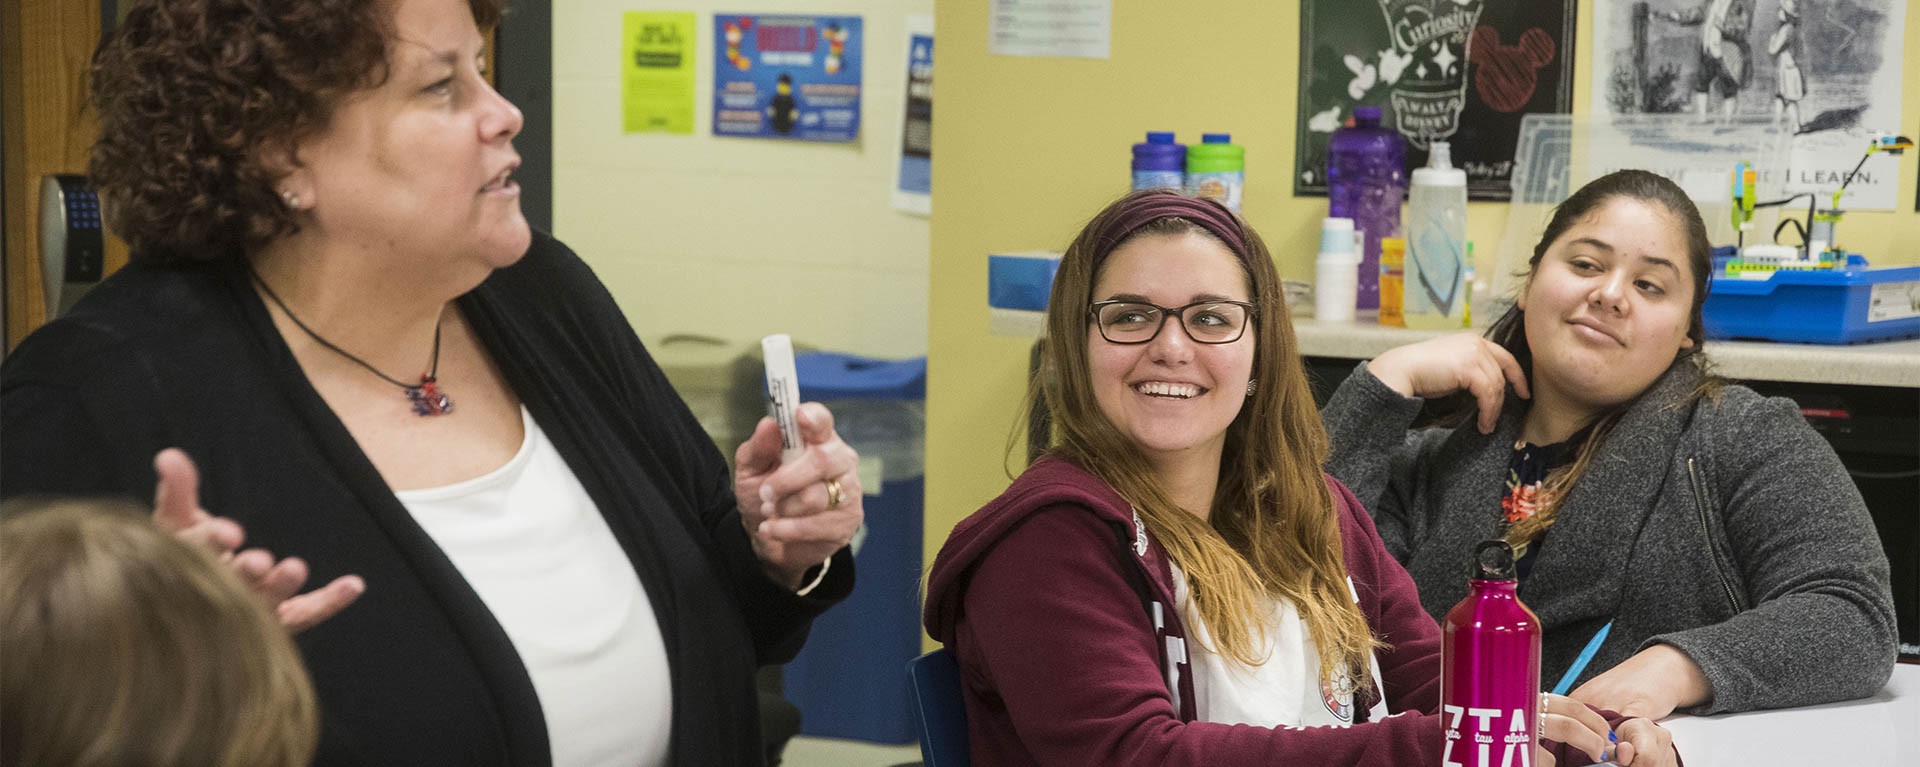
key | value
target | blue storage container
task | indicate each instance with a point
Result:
(1021, 280)
(847, 680)
(1817, 306)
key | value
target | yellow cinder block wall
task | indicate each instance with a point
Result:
(1030, 148)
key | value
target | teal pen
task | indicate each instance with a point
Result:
(1580, 663)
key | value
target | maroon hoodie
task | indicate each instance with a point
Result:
(1059, 610)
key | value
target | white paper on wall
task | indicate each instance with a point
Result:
(1076, 28)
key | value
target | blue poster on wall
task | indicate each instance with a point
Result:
(913, 182)
(786, 77)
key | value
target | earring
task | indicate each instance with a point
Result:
(290, 197)
(1250, 383)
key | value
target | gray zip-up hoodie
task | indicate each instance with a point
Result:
(1726, 528)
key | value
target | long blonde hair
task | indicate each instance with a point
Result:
(1273, 529)
(127, 646)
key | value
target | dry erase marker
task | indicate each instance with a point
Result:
(783, 393)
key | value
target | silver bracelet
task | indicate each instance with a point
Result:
(825, 565)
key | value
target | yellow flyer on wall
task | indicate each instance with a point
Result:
(656, 72)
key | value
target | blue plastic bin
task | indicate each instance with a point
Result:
(847, 681)
(1021, 280)
(1821, 307)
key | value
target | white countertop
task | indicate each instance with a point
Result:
(1881, 731)
(1889, 363)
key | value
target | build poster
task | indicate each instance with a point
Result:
(787, 77)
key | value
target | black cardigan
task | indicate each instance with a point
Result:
(417, 671)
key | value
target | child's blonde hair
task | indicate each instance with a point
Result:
(126, 646)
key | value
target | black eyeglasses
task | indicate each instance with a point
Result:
(1207, 322)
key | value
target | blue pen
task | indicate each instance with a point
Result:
(1580, 663)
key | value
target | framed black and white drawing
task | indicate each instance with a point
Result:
(1818, 79)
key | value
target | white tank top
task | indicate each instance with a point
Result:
(533, 545)
(1284, 691)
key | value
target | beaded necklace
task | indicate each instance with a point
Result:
(426, 396)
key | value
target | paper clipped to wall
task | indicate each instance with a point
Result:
(656, 71)
(1076, 28)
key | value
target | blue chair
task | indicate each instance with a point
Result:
(939, 710)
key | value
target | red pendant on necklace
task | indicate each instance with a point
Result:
(427, 398)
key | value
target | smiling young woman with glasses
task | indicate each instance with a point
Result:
(1176, 563)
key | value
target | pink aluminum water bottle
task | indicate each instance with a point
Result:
(1490, 668)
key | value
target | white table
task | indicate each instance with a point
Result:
(1881, 731)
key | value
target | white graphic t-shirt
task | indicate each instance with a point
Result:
(1284, 691)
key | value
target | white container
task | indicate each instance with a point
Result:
(1435, 297)
(1336, 283)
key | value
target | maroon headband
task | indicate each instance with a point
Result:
(1147, 208)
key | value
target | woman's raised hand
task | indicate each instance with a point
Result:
(799, 513)
(176, 509)
(1441, 366)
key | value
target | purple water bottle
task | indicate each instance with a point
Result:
(1490, 668)
(1366, 182)
(1159, 163)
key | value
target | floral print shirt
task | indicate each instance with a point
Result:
(1526, 495)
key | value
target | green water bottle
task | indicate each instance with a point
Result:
(1216, 169)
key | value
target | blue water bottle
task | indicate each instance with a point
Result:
(1159, 163)
(1366, 181)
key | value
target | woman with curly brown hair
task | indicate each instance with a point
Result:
(558, 567)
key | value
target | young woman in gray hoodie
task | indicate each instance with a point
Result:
(1697, 544)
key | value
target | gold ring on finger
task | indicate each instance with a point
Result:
(833, 494)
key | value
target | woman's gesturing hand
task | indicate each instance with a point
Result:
(799, 513)
(1441, 366)
(176, 509)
